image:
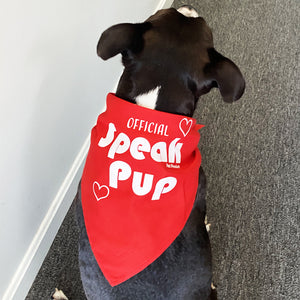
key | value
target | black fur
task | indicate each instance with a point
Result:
(176, 53)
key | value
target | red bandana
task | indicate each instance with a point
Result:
(138, 185)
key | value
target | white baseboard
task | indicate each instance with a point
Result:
(164, 4)
(38, 249)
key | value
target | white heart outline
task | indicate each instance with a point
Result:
(99, 188)
(187, 122)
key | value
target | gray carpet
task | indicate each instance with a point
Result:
(251, 156)
(60, 268)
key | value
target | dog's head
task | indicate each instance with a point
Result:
(172, 52)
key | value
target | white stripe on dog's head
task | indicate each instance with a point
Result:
(188, 11)
(148, 99)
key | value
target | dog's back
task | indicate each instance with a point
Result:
(183, 271)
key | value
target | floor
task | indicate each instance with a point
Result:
(251, 155)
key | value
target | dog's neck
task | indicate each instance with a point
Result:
(157, 91)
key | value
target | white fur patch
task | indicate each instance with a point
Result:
(207, 225)
(188, 12)
(149, 99)
(59, 295)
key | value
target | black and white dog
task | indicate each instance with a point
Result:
(169, 62)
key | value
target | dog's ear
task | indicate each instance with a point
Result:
(120, 38)
(225, 75)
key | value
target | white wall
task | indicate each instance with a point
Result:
(52, 87)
